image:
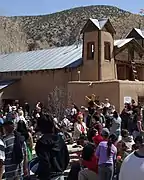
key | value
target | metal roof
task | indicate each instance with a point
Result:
(140, 32)
(53, 58)
(4, 84)
(102, 22)
(99, 23)
(121, 42)
(95, 22)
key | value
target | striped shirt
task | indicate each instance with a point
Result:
(12, 170)
(2, 151)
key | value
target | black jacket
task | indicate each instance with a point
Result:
(53, 156)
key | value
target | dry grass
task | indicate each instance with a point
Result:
(11, 37)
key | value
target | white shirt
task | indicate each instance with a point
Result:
(73, 111)
(55, 120)
(77, 129)
(132, 168)
(21, 118)
(10, 108)
(107, 105)
(66, 122)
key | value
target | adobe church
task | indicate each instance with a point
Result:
(101, 65)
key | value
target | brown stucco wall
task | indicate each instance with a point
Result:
(132, 89)
(90, 68)
(114, 90)
(12, 92)
(89, 71)
(109, 71)
(35, 86)
(105, 89)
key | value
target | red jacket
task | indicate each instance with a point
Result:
(97, 139)
(92, 164)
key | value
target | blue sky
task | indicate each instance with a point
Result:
(34, 7)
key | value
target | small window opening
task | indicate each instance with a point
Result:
(107, 51)
(90, 50)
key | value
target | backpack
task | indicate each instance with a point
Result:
(17, 154)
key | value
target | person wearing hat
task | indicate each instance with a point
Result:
(133, 165)
(105, 133)
(2, 150)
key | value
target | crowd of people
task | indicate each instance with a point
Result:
(112, 143)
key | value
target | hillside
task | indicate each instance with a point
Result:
(61, 28)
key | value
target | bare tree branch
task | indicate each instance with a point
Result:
(57, 101)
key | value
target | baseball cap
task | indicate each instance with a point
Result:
(105, 132)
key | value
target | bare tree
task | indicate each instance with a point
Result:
(57, 101)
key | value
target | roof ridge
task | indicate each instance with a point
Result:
(139, 29)
(38, 50)
(123, 39)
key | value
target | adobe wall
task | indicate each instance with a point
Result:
(89, 71)
(35, 86)
(12, 92)
(90, 68)
(109, 71)
(105, 89)
(132, 89)
(114, 90)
